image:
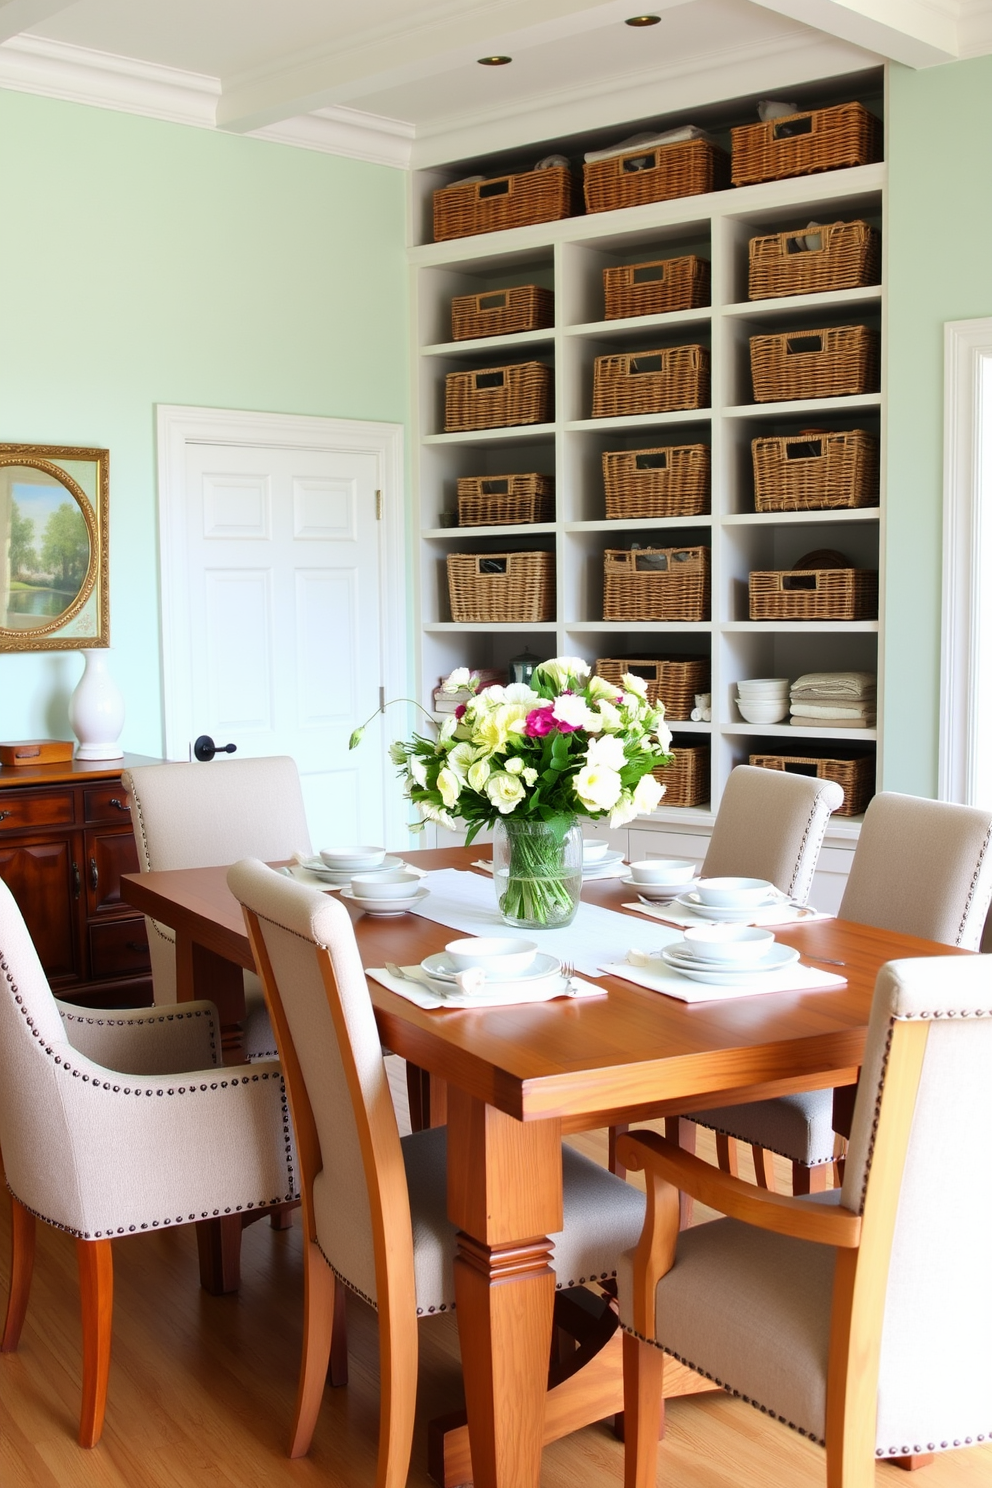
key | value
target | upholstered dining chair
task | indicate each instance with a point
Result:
(204, 816)
(161, 1138)
(374, 1204)
(920, 868)
(866, 1324)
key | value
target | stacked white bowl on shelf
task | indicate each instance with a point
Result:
(764, 699)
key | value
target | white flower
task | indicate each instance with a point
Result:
(635, 684)
(447, 728)
(459, 759)
(564, 669)
(607, 751)
(504, 791)
(418, 770)
(456, 680)
(610, 716)
(597, 787)
(493, 695)
(478, 774)
(664, 736)
(519, 692)
(647, 794)
(529, 776)
(624, 811)
(449, 786)
(515, 766)
(397, 752)
(598, 687)
(570, 708)
(433, 813)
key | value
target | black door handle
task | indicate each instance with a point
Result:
(204, 749)
(94, 875)
(76, 881)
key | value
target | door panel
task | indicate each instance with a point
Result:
(46, 884)
(108, 855)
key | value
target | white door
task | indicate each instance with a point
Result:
(282, 650)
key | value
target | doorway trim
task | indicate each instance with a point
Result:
(176, 428)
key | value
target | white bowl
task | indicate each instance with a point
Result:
(594, 848)
(733, 893)
(396, 883)
(496, 955)
(662, 871)
(729, 942)
(763, 686)
(758, 710)
(357, 859)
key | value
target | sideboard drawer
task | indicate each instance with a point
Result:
(21, 810)
(119, 949)
(106, 803)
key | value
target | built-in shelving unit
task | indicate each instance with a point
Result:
(569, 256)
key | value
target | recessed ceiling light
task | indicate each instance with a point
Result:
(494, 61)
(645, 20)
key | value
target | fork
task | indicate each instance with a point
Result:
(568, 974)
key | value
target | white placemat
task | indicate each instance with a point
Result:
(425, 997)
(675, 914)
(467, 902)
(589, 875)
(664, 979)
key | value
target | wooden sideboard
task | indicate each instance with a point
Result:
(65, 840)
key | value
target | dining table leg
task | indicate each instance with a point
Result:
(505, 1197)
(201, 972)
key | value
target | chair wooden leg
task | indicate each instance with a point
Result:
(338, 1374)
(910, 1464)
(96, 1288)
(809, 1180)
(682, 1133)
(398, 1394)
(643, 1409)
(764, 1167)
(281, 1217)
(22, 1237)
(613, 1162)
(320, 1299)
(726, 1154)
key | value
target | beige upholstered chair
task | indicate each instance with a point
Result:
(98, 1152)
(865, 1325)
(920, 868)
(374, 1204)
(204, 816)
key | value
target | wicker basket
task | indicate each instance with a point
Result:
(501, 312)
(814, 594)
(832, 363)
(654, 288)
(815, 470)
(497, 397)
(685, 168)
(672, 680)
(656, 584)
(687, 778)
(672, 481)
(505, 201)
(492, 588)
(800, 144)
(847, 255)
(854, 773)
(501, 500)
(651, 381)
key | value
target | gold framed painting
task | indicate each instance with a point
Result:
(54, 541)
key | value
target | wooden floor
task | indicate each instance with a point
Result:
(202, 1388)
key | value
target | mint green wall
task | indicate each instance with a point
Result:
(939, 269)
(143, 262)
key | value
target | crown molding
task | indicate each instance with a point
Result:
(54, 69)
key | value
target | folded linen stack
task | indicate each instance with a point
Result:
(842, 700)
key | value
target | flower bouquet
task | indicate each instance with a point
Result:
(527, 760)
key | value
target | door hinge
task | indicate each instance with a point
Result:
(378, 506)
(382, 699)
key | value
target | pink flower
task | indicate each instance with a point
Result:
(460, 711)
(538, 723)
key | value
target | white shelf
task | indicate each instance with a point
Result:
(606, 330)
(641, 524)
(801, 518)
(800, 627)
(514, 627)
(640, 421)
(515, 434)
(488, 343)
(820, 406)
(517, 529)
(786, 731)
(789, 306)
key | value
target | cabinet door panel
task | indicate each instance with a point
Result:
(20, 810)
(106, 803)
(108, 855)
(119, 948)
(44, 880)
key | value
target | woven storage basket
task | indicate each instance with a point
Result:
(832, 363)
(656, 584)
(653, 288)
(823, 139)
(500, 500)
(671, 481)
(496, 397)
(814, 594)
(848, 256)
(687, 778)
(855, 774)
(672, 680)
(500, 312)
(490, 588)
(505, 201)
(651, 381)
(684, 168)
(815, 470)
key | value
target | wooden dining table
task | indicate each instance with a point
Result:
(516, 1080)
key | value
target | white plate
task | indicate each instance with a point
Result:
(608, 860)
(657, 893)
(319, 869)
(779, 955)
(730, 916)
(778, 959)
(503, 994)
(384, 907)
(543, 965)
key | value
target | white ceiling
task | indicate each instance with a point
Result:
(255, 64)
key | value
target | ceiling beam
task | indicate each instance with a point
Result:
(19, 15)
(918, 33)
(448, 36)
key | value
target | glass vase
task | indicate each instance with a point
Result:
(537, 871)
